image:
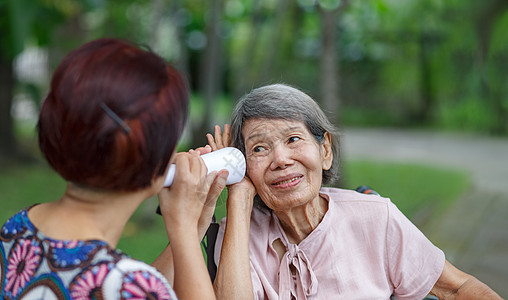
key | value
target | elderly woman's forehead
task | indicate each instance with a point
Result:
(271, 126)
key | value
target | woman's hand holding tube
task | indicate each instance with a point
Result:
(218, 184)
(185, 209)
(190, 202)
(181, 204)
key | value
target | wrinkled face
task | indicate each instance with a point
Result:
(285, 162)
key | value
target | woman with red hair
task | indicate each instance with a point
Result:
(109, 126)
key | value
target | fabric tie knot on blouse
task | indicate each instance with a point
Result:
(303, 282)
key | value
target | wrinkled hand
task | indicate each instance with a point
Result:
(220, 140)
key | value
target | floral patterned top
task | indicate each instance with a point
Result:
(33, 266)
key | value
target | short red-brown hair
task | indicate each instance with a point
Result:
(113, 116)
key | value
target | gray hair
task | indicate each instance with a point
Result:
(280, 101)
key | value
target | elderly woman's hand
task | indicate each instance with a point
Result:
(220, 140)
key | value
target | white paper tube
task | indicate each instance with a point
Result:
(228, 158)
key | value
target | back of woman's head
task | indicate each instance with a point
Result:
(113, 116)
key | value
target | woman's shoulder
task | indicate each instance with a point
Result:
(16, 225)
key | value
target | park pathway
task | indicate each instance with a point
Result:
(473, 232)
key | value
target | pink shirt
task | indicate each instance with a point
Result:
(364, 248)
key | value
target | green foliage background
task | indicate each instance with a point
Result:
(437, 63)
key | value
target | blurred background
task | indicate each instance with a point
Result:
(431, 63)
(436, 65)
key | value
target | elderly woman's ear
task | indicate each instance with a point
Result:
(326, 152)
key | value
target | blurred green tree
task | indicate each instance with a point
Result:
(23, 23)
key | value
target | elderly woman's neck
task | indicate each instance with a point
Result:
(299, 222)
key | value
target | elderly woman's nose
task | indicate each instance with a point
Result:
(281, 157)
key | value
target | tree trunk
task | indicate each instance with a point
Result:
(329, 63)
(329, 78)
(8, 144)
(423, 115)
(211, 70)
(485, 22)
(242, 80)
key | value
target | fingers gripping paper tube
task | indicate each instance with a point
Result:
(228, 158)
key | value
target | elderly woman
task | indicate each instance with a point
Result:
(305, 241)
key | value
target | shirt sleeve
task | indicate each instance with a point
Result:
(414, 263)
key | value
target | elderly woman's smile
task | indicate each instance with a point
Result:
(284, 183)
(284, 161)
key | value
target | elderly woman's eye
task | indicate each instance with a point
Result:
(258, 148)
(293, 139)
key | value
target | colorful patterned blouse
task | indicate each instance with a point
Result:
(33, 266)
